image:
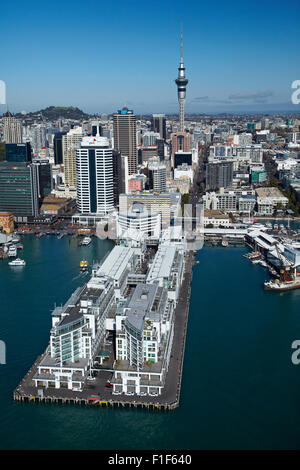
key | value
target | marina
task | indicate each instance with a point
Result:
(218, 398)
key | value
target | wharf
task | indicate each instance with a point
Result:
(95, 393)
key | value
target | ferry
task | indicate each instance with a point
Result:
(84, 265)
(280, 286)
(17, 262)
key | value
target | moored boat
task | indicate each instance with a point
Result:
(86, 241)
(17, 262)
(278, 285)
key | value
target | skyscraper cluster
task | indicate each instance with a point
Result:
(95, 160)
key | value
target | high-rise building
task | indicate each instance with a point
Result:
(13, 131)
(160, 148)
(19, 189)
(118, 177)
(150, 138)
(125, 137)
(182, 158)
(58, 148)
(181, 82)
(158, 124)
(18, 152)
(180, 142)
(44, 178)
(38, 137)
(157, 177)
(71, 142)
(219, 174)
(96, 129)
(94, 168)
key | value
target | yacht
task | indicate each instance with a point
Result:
(12, 251)
(17, 262)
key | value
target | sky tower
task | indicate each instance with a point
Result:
(181, 82)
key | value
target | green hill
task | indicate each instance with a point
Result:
(56, 112)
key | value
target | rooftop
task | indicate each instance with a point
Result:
(269, 192)
(162, 263)
(116, 262)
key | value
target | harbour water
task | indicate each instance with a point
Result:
(240, 389)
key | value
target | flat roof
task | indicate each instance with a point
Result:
(116, 262)
(162, 263)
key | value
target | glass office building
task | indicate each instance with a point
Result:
(19, 189)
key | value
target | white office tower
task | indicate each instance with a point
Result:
(12, 129)
(70, 143)
(37, 137)
(94, 176)
(150, 138)
(157, 177)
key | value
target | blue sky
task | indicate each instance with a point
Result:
(239, 55)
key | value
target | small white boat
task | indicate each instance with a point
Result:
(86, 241)
(17, 262)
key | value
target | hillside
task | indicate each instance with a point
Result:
(56, 112)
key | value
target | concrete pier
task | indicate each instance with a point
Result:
(170, 396)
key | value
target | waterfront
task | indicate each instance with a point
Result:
(239, 387)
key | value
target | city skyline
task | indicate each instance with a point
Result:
(233, 65)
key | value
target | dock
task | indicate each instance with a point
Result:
(95, 393)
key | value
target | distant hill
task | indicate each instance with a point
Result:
(56, 112)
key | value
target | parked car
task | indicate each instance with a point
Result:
(143, 394)
(153, 394)
(116, 392)
(129, 393)
(108, 385)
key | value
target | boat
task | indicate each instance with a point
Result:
(86, 241)
(12, 251)
(262, 263)
(280, 286)
(84, 266)
(224, 243)
(17, 262)
(252, 255)
(15, 239)
(255, 261)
